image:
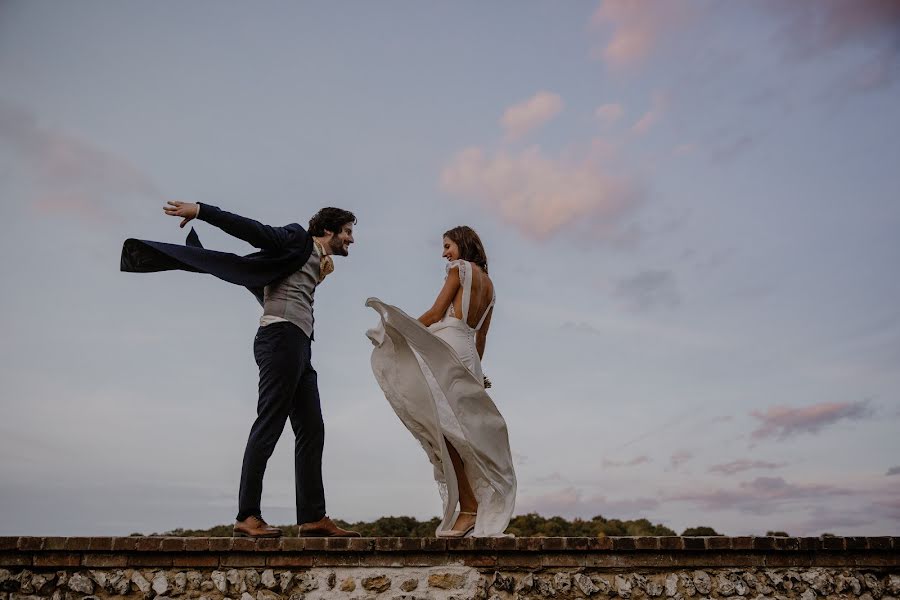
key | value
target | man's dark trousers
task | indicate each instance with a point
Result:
(287, 389)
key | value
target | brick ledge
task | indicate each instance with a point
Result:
(610, 553)
(397, 544)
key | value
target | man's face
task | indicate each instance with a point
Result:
(340, 242)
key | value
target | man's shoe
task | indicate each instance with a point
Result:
(324, 527)
(255, 527)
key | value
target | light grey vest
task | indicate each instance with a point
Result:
(291, 298)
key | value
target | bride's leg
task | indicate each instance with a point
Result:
(467, 500)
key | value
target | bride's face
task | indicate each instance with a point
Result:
(451, 250)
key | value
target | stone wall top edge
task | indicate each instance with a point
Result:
(156, 544)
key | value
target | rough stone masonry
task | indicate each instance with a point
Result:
(428, 569)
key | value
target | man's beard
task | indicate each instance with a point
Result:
(337, 247)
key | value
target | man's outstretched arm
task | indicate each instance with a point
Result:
(253, 232)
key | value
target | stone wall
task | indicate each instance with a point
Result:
(675, 568)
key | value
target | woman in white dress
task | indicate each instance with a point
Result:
(430, 371)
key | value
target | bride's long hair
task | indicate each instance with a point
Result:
(469, 244)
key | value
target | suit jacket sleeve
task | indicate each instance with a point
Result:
(264, 237)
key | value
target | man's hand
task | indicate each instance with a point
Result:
(188, 210)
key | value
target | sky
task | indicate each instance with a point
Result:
(690, 210)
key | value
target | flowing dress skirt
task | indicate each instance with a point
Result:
(432, 378)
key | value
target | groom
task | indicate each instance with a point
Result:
(283, 276)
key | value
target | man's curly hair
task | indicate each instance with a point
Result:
(330, 219)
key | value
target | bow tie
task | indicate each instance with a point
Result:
(326, 264)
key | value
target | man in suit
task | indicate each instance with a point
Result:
(283, 276)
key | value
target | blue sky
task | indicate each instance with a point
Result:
(690, 210)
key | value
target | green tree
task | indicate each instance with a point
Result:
(700, 530)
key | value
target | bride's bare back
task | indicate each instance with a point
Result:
(480, 300)
(450, 300)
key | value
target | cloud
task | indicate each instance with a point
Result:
(648, 289)
(823, 519)
(874, 508)
(874, 73)
(609, 113)
(638, 460)
(782, 421)
(580, 327)
(763, 495)
(728, 151)
(652, 116)
(542, 196)
(887, 508)
(741, 465)
(68, 175)
(526, 116)
(570, 503)
(800, 32)
(679, 458)
(893, 471)
(637, 28)
(810, 29)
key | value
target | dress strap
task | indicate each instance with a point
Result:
(486, 311)
(465, 274)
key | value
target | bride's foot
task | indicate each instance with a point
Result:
(464, 525)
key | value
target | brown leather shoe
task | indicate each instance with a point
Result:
(324, 527)
(255, 527)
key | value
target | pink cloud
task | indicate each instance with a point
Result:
(763, 495)
(679, 458)
(801, 31)
(741, 465)
(70, 176)
(638, 460)
(813, 28)
(637, 28)
(874, 508)
(783, 421)
(652, 116)
(609, 113)
(526, 116)
(542, 196)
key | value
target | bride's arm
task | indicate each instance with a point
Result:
(445, 297)
(481, 336)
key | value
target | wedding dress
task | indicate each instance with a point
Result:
(433, 380)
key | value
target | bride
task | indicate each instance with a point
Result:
(430, 372)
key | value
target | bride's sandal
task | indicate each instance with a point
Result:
(457, 533)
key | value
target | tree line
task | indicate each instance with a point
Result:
(528, 525)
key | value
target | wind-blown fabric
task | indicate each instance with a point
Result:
(432, 379)
(284, 250)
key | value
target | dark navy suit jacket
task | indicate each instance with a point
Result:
(283, 250)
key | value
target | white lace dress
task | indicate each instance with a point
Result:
(433, 380)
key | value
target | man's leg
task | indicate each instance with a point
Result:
(277, 349)
(309, 441)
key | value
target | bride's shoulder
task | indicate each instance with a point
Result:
(456, 264)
